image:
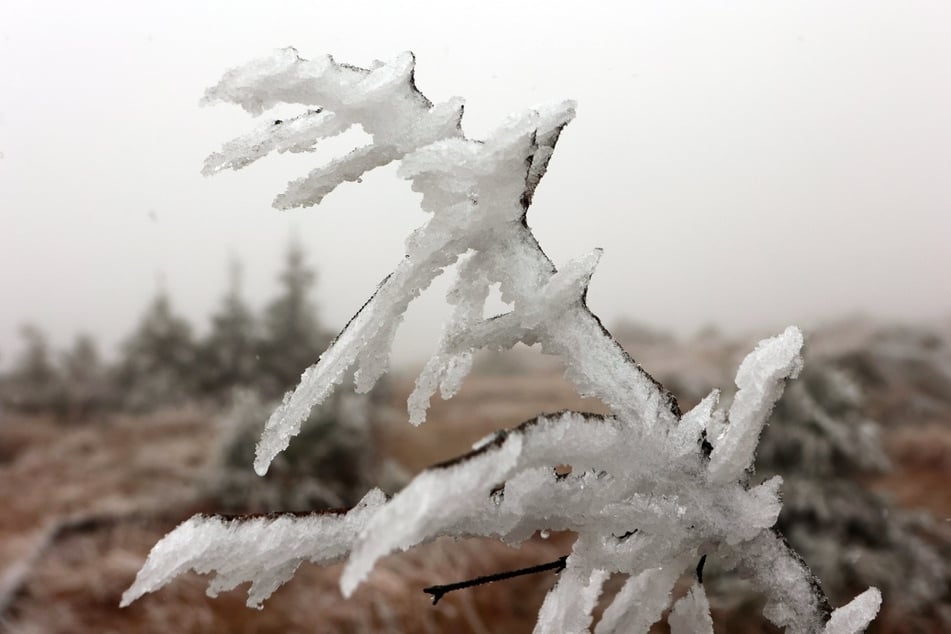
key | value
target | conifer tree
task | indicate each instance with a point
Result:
(293, 336)
(229, 356)
(85, 381)
(33, 385)
(157, 367)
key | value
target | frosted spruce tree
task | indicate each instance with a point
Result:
(158, 360)
(292, 334)
(651, 490)
(33, 384)
(228, 357)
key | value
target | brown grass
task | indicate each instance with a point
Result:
(922, 457)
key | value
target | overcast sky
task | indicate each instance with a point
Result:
(744, 164)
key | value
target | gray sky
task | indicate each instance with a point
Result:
(747, 164)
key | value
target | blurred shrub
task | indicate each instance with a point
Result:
(334, 462)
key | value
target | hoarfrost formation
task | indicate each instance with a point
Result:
(651, 489)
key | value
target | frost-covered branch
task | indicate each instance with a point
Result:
(207, 543)
(478, 193)
(651, 489)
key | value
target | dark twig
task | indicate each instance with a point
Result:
(438, 591)
(702, 561)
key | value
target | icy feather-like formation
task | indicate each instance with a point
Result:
(567, 608)
(641, 601)
(691, 614)
(265, 550)
(609, 494)
(299, 134)
(650, 489)
(856, 616)
(760, 380)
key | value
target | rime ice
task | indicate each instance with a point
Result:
(651, 489)
(263, 550)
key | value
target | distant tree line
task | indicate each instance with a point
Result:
(162, 362)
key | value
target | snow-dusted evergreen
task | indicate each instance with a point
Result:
(848, 534)
(650, 491)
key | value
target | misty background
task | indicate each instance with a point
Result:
(747, 166)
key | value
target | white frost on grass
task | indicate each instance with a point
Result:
(650, 489)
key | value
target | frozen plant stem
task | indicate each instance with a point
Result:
(681, 478)
(439, 591)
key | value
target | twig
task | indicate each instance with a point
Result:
(438, 591)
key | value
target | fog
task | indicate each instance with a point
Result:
(747, 167)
